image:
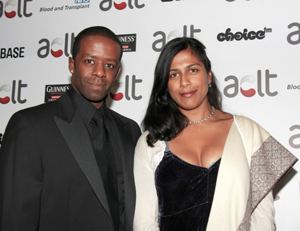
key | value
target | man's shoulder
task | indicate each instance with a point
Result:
(121, 118)
(43, 108)
(37, 114)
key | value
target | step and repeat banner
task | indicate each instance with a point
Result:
(254, 46)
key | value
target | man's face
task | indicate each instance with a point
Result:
(95, 68)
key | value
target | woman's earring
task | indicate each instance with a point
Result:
(209, 85)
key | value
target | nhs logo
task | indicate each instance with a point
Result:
(81, 1)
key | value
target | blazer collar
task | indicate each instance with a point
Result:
(122, 144)
(77, 138)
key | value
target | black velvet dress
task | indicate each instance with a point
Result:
(185, 193)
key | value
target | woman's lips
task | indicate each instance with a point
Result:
(187, 94)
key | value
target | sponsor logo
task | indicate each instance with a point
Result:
(228, 35)
(75, 5)
(106, 5)
(235, 0)
(12, 92)
(56, 47)
(161, 37)
(250, 86)
(294, 140)
(12, 52)
(293, 87)
(128, 42)
(294, 37)
(170, 0)
(123, 90)
(129, 89)
(54, 92)
(60, 46)
(81, 1)
(15, 8)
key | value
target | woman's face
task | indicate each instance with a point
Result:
(188, 81)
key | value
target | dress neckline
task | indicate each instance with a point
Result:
(194, 165)
(213, 163)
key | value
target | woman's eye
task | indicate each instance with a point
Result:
(172, 75)
(194, 70)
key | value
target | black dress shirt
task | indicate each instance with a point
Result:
(109, 166)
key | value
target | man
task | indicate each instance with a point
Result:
(68, 165)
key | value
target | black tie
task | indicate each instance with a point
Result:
(98, 133)
(106, 163)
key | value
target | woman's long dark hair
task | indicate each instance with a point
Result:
(163, 119)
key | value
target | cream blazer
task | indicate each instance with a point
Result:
(252, 162)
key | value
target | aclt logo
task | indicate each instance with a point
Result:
(294, 37)
(162, 37)
(13, 8)
(106, 5)
(256, 85)
(56, 47)
(130, 89)
(12, 92)
(293, 139)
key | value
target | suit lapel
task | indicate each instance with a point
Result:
(232, 180)
(120, 146)
(77, 138)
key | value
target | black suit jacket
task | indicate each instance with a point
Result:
(49, 177)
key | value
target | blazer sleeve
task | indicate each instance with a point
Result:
(20, 177)
(145, 217)
(262, 218)
(269, 161)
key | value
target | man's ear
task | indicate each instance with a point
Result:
(71, 65)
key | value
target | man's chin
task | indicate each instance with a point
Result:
(96, 99)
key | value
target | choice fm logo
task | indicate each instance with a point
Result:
(12, 92)
(162, 37)
(13, 8)
(129, 92)
(106, 5)
(249, 85)
(245, 35)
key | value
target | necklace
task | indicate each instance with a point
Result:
(203, 119)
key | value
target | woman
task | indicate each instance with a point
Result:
(197, 167)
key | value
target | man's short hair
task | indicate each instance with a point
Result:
(95, 30)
